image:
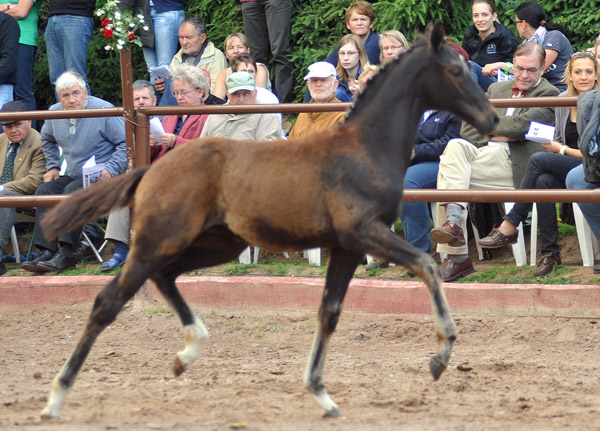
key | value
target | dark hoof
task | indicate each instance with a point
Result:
(436, 368)
(178, 367)
(333, 413)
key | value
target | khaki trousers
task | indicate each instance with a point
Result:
(464, 166)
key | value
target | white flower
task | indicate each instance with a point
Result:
(119, 29)
(108, 47)
(146, 28)
(117, 16)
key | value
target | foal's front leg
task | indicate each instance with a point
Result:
(342, 265)
(388, 246)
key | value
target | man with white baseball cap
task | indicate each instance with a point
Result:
(321, 83)
(241, 90)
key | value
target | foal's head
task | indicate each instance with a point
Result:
(448, 84)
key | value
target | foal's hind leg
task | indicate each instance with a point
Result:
(342, 265)
(107, 305)
(389, 247)
(194, 331)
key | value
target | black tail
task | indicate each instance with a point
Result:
(90, 204)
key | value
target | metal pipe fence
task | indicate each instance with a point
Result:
(140, 153)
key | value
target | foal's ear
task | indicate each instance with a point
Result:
(436, 36)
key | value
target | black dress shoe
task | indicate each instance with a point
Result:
(31, 265)
(452, 270)
(84, 252)
(58, 263)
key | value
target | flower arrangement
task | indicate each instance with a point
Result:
(119, 26)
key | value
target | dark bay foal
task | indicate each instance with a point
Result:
(204, 202)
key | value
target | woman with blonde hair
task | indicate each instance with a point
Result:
(351, 58)
(548, 169)
(392, 43)
(236, 43)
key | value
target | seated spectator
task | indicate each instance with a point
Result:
(235, 44)
(246, 63)
(530, 20)
(493, 161)
(189, 86)
(79, 139)
(392, 43)
(321, 84)
(587, 175)
(352, 57)
(196, 50)
(117, 228)
(22, 175)
(487, 41)
(359, 20)
(548, 170)
(241, 90)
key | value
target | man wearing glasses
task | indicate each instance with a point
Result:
(79, 139)
(495, 161)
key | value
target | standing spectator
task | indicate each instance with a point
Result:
(68, 32)
(492, 161)
(26, 13)
(241, 90)
(267, 26)
(79, 139)
(166, 17)
(196, 50)
(22, 165)
(9, 53)
(321, 84)
(487, 41)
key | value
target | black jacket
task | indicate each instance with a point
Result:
(588, 122)
(433, 136)
(9, 49)
(498, 46)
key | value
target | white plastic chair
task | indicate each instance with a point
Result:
(588, 243)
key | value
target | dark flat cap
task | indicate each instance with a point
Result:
(13, 106)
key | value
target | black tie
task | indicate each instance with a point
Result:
(7, 172)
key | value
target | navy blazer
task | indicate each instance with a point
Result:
(433, 136)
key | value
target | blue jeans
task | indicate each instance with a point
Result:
(24, 88)
(167, 99)
(591, 211)
(67, 39)
(166, 38)
(477, 74)
(6, 95)
(415, 215)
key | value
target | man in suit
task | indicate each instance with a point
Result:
(495, 161)
(22, 164)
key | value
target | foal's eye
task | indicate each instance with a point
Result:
(456, 71)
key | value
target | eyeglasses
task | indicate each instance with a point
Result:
(518, 21)
(73, 122)
(347, 53)
(530, 70)
(392, 48)
(582, 54)
(182, 93)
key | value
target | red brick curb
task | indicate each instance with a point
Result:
(374, 296)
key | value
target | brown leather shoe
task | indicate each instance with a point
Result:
(497, 239)
(449, 233)
(546, 264)
(452, 270)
